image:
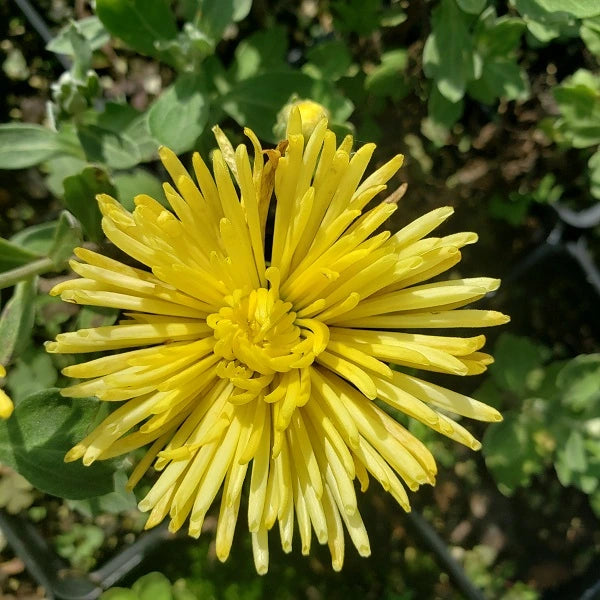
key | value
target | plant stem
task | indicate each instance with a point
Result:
(36, 267)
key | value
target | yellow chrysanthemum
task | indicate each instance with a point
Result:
(265, 353)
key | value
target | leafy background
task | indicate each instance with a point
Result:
(496, 106)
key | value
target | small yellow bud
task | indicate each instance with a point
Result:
(311, 113)
(6, 405)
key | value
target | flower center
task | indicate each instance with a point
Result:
(256, 333)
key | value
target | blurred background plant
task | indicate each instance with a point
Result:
(497, 107)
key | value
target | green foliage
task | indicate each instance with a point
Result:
(469, 54)
(108, 147)
(357, 16)
(34, 441)
(90, 28)
(138, 181)
(153, 586)
(14, 255)
(387, 79)
(255, 101)
(449, 56)
(473, 7)
(578, 99)
(66, 236)
(515, 208)
(554, 420)
(120, 500)
(216, 15)
(141, 24)
(578, 8)
(32, 371)
(79, 544)
(497, 41)
(260, 52)
(80, 193)
(544, 25)
(594, 172)
(590, 34)
(56, 240)
(25, 145)
(179, 116)
(16, 320)
(328, 60)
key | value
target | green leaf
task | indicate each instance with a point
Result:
(590, 34)
(153, 586)
(179, 115)
(473, 7)
(393, 16)
(117, 117)
(578, 383)
(123, 119)
(489, 393)
(259, 52)
(139, 23)
(216, 15)
(578, 98)
(498, 37)
(24, 145)
(594, 174)
(107, 147)
(256, 101)
(443, 112)
(67, 236)
(13, 255)
(500, 78)
(139, 131)
(37, 238)
(449, 57)
(515, 358)
(41, 430)
(544, 25)
(241, 9)
(16, 320)
(92, 30)
(513, 209)
(328, 60)
(340, 108)
(580, 9)
(357, 16)
(138, 181)
(79, 544)
(80, 198)
(510, 452)
(595, 503)
(32, 372)
(119, 501)
(58, 169)
(571, 459)
(387, 78)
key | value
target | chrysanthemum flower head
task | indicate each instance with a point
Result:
(254, 343)
(6, 404)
